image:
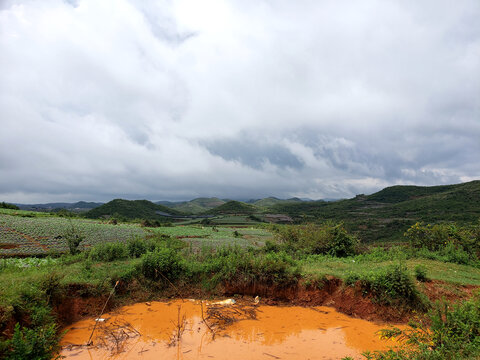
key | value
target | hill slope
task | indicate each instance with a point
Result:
(389, 212)
(197, 206)
(131, 209)
(233, 207)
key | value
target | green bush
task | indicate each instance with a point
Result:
(160, 264)
(109, 251)
(442, 236)
(37, 343)
(446, 334)
(137, 246)
(421, 273)
(73, 237)
(393, 286)
(328, 239)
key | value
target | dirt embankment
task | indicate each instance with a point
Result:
(79, 300)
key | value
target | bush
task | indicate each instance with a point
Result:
(446, 237)
(73, 237)
(160, 264)
(328, 239)
(137, 246)
(421, 273)
(37, 343)
(392, 286)
(109, 251)
(453, 334)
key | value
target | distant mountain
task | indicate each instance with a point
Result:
(195, 206)
(234, 207)
(388, 213)
(78, 206)
(132, 209)
(270, 201)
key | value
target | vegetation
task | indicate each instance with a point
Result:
(386, 215)
(4, 205)
(158, 260)
(449, 332)
(234, 207)
(135, 209)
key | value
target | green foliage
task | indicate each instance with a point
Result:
(160, 264)
(239, 266)
(447, 333)
(110, 251)
(38, 343)
(73, 237)
(457, 244)
(138, 246)
(421, 273)
(328, 239)
(4, 205)
(393, 286)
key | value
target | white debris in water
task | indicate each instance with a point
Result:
(225, 302)
(100, 320)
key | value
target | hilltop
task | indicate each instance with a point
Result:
(234, 207)
(131, 209)
(195, 206)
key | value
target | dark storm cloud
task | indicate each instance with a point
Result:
(178, 99)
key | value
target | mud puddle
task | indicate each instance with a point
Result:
(188, 329)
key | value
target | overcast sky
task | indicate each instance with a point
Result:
(171, 100)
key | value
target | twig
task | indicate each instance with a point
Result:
(101, 313)
(205, 321)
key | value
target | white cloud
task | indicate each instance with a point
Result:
(321, 99)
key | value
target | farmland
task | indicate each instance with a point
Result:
(24, 233)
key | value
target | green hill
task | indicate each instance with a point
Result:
(233, 207)
(385, 215)
(131, 209)
(271, 201)
(199, 205)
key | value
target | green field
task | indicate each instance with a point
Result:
(25, 233)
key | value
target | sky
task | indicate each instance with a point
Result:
(240, 99)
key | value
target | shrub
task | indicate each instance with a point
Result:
(453, 334)
(328, 239)
(73, 237)
(421, 273)
(37, 343)
(160, 264)
(137, 246)
(109, 251)
(393, 285)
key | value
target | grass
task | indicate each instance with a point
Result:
(436, 270)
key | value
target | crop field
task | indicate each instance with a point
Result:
(25, 234)
(21, 235)
(198, 235)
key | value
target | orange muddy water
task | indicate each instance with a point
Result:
(191, 329)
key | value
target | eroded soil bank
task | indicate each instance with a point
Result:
(193, 329)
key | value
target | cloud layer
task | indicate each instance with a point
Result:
(238, 99)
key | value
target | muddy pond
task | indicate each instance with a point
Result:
(193, 329)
